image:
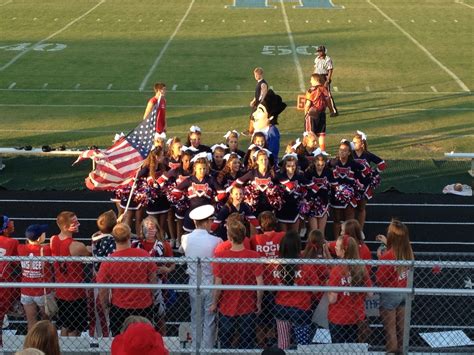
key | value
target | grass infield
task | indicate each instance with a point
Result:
(71, 73)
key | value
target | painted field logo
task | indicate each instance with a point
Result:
(43, 47)
(312, 4)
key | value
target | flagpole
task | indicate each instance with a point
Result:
(129, 196)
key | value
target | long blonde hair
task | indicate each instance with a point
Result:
(351, 252)
(398, 239)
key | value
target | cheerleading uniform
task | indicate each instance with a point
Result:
(219, 226)
(157, 201)
(198, 193)
(168, 181)
(318, 195)
(344, 183)
(369, 177)
(140, 192)
(260, 191)
(293, 192)
(172, 163)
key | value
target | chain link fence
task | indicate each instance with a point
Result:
(245, 305)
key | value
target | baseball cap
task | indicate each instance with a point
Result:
(34, 231)
(202, 212)
(139, 339)
(3, 222)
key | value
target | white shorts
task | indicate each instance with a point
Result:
(38, 300)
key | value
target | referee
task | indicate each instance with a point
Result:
(323, 66)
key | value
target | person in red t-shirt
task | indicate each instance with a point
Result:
(33, 299)
(237, 308)
(294, 309)
(267, 245)
(71, 301)
(8, 247)
(159, 98)
(227, 244)
(127, 302)
(392, 305)
(156, 245)
(347, 309)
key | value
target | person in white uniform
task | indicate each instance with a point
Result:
(201, 244)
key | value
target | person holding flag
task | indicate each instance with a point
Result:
(159, 98)
(118, 166)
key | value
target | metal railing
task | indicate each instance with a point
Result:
(438, 302)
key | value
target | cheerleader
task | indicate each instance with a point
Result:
(139, 198)
(261, 192)
(168, 182)
(232, 141)
(258, 141)
(347, 309)
(158, 204)
(292, 183)
(369, 177)
(316, 208)
(218, 163)
(199, 189)
(173, 156)
(194, 140)
(343, 186)
(231, 171)
(235, 203)
(310, 143)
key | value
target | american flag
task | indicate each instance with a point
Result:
(117, 166)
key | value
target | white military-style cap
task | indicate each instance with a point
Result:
(202, 212)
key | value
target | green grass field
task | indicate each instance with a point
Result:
(76, 73)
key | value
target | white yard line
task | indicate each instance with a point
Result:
(21, 54)
(6, 3)
(419, 45)
(359, 109)
(233, 92)
(299, 71)
(165, 47)
(460, 2)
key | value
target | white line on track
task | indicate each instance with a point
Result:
(11, 86)
(6, 3)
(433, 88)
(460, 2)
(443, 205)
(367, 222)
(299, 71)
(358, 109)
(165, 47)
(233, 92)
(419, 45)
(21, 54)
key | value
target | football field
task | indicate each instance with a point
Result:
(77, 72)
